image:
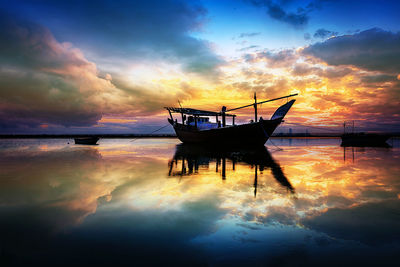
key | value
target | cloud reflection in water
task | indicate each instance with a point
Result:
(125, 202)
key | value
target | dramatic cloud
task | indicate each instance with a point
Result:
(373, 49)
(44, 81)
(327, 94)
(130, 30)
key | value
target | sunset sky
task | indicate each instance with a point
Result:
(111, 66)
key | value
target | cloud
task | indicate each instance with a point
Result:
(303, 69)
(297, 19)
(373, 49)
(248, 48)
(276, 59)
(131, 30)
(378, 78)
(323, 33)
(150, 99)
(44, 81)
(249, 34)
(336, 92)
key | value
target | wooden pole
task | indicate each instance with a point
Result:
(255, 107)
(223, 116)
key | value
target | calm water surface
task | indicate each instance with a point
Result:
(300, 202)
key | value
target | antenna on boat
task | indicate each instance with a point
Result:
(179, 102)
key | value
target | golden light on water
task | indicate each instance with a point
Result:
(299, 192)
(137, 175)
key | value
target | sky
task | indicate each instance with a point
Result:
(111, 66)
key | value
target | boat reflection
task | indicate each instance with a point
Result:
(191, 159)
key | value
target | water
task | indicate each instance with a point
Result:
(302, 202)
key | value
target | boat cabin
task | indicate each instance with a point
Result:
(202, 123)
(200, 119)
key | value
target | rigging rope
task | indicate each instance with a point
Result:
(278, 148)
(151, 132)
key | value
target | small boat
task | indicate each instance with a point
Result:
(365, 140)
(195, 125)
(90, 140)
(361, 139)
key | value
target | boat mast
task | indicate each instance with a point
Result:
(255, 107)
(223, 116)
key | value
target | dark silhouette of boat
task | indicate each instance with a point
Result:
(365, 139)
(189, 157)
(90, 140)
(361, 139)
(195, 126)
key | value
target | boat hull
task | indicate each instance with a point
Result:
(86, 140)
(251, 134)
(364, 140)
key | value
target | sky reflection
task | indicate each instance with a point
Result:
(125, 201)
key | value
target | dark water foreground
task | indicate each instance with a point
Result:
(152, 202)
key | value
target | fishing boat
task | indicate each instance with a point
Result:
(361, 139)
(364, 140)
(195, 125)
(90, 140)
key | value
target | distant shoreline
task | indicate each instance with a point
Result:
(113, 136)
